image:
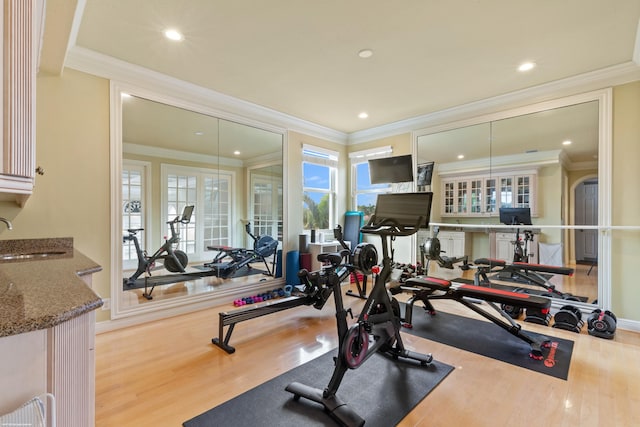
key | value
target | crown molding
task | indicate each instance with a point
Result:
(227, 107)
(231, 108)
(167, 153)
(611, 76)
(512, 162)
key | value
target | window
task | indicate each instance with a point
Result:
(319, 174)
(134, 206)
(209, 191)
(266, 208)
(363, 193)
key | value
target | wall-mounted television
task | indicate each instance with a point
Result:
(515, 216)
(391, 169)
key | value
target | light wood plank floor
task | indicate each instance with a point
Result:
(165, 372)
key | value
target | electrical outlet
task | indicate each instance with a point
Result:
(106, 304)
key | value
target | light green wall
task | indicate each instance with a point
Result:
(625, 248)
(72, 199)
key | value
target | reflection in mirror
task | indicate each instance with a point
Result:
(546, 161)
(230, 172)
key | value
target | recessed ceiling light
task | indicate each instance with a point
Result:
(460, 156)
(365, 53)
(237, 153)
(199, 133)
(363, 115)
(526, 66)
(567, 142)
(173, 34)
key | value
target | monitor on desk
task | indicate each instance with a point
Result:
(515, 216)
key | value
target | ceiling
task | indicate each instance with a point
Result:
(301, 58)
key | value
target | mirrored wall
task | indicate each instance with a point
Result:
(545, 157)
(175, 155)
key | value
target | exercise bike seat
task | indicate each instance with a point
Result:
(333, 258)
(134, 230)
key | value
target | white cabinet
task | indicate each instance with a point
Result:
(319, 248)
(483, 195)
(17, 166)
(454, 243)
(504, 247)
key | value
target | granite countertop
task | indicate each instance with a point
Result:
(42, 292)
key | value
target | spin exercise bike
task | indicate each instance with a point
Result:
(263, 247)
(174, 260)
(378, 325)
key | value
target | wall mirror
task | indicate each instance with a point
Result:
(169, 157)
(547, 157)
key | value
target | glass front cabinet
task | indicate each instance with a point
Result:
(483, 195)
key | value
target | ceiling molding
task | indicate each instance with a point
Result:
(510, 162)
(611, 76)
(229, 108)
(234, 109)
(166, 153)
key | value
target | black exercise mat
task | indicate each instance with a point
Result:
(382, 391)
(167, 279)
(490, 340)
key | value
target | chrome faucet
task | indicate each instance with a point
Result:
(6, 221)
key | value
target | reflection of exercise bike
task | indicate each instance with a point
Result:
(520, 246)
(263, 247)
(175, 260)
(430, 250)
(378, 325)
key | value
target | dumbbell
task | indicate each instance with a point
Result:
(568, 318)
(602, 324)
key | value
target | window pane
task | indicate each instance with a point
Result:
(363, 180)
(316, 176)
(316, 207)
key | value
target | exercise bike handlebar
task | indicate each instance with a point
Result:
(390, 227)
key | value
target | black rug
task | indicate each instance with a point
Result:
(382, 391)
(490, 340)
(167, 279)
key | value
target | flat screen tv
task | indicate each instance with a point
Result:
(405, 208)
(391, 169)
(515, 216)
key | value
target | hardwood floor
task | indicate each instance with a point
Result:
(165, 372)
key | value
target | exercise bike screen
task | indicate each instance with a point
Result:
(405, 208)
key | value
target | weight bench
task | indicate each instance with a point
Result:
(521, 271)
(427, 288)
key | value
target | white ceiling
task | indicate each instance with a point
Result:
(300, 58)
